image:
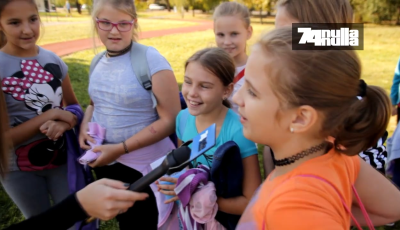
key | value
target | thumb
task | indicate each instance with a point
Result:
(96, 149)
(114, 183)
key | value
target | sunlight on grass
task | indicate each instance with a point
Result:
(53, 32)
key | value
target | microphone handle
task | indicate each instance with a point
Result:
(149, 178)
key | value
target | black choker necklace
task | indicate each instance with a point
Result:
(298, 156)
(112, 53)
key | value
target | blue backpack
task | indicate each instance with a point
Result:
(141, 70)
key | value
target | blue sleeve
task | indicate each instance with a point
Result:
(177, 129)
(247, 147)
(394, 91)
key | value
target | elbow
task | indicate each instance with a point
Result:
(169, 124)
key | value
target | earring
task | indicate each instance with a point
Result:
(291, 129)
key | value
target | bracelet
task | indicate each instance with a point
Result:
(125, 147)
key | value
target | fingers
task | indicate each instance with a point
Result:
(127, 195)
(168, 192)
(166, 187)
(90, 139)
(113, 183)
(43, 128)
(82, 143)
(173, 199)
(169, 179)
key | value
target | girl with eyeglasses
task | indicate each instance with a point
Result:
(137, 133)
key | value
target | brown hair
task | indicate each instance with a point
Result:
(5, 144)
(125, 6)
(328, 81)
(231, 9)
(219, 63)
(3, 4)
(319, 11)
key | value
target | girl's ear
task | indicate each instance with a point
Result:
(228, 91)
(249, 32)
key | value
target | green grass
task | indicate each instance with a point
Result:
(53, 32)
(379, 58)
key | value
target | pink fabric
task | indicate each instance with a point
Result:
(204, 207)
(140, 160)
(98, 133)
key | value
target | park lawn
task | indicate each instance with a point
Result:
(53, 32)
(379, 58)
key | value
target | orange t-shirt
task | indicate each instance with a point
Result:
(297, 201)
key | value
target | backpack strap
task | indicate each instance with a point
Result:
(141, 68)
(183, 120)
(94, 62)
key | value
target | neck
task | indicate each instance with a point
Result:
(19, 52)
(292, 147)
(116, 53)
(240, 59)
(215, 116)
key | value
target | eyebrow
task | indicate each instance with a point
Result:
(105, 19)
(251, 86)
(204, 82)
(16, 19)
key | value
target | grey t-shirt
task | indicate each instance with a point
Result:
(122, 105)
(32, 86)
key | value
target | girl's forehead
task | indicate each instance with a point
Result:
(112, 13)
(19, 9)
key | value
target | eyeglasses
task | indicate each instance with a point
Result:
(108, 26)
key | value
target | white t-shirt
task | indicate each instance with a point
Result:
(236, 87)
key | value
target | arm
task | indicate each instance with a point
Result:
(379, 196)
(28, 129)
(394, 91)
(166, 91)
(102, 199)
(251, 181)
(69, 97)
(83, 136)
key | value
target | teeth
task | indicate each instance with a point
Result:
(194, 103)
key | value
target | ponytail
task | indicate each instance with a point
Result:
(227, 103)
(366, 122)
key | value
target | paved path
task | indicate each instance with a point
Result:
(69, 47)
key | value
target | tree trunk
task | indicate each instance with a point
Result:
(398, 16)
(78, 7)
(168, 5)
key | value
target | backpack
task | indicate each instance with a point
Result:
(141, 70)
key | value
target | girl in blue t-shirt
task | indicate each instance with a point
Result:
(208, 83)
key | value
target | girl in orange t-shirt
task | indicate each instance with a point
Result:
(293, 101)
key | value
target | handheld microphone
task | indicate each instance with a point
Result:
(175, 161)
